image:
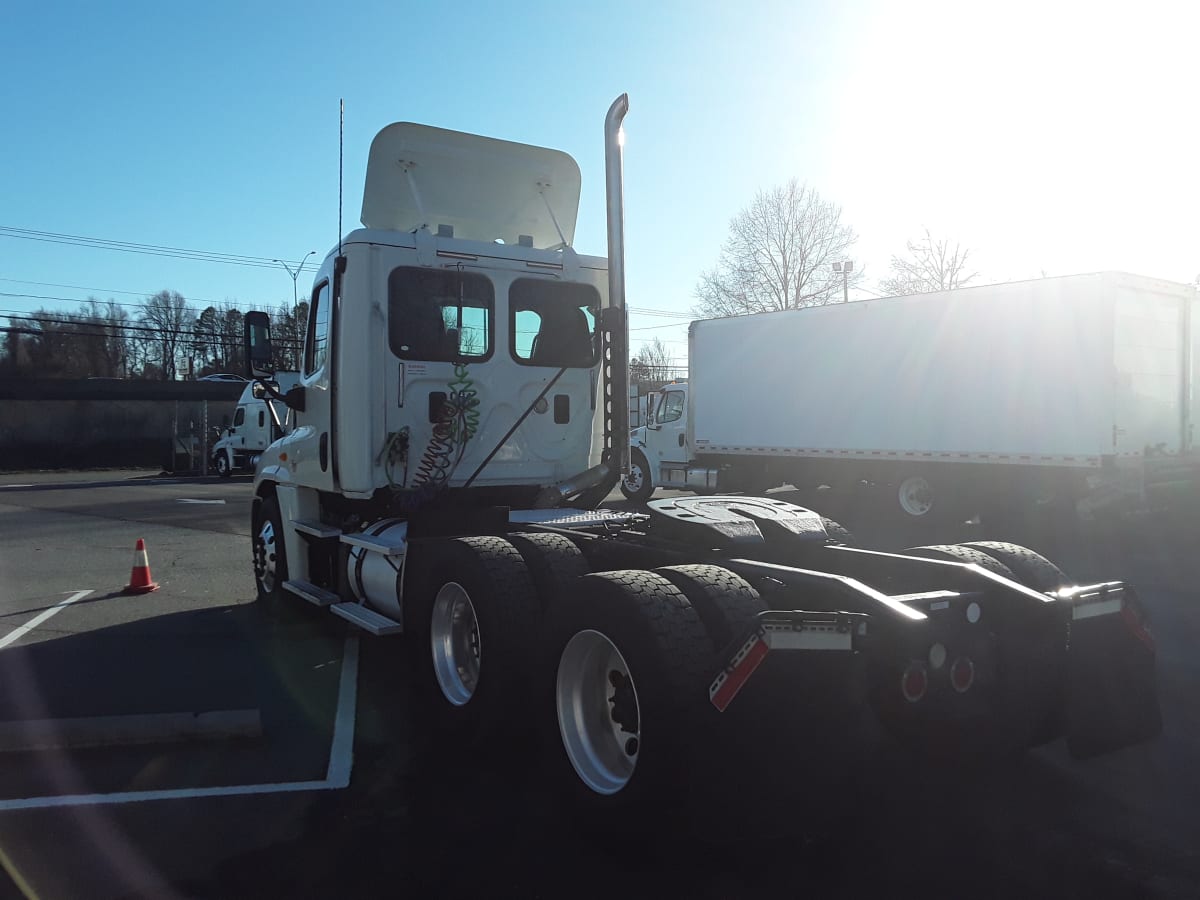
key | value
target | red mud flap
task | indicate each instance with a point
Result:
(1112, 693)
(784, 630)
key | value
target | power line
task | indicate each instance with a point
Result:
(76, 240)
(83, 287)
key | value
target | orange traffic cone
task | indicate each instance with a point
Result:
(139, 579)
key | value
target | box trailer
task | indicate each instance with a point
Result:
(955, 401)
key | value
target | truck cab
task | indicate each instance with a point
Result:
(663, 453)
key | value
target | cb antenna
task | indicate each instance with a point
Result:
(341, 135)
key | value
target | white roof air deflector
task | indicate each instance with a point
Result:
(486, 189)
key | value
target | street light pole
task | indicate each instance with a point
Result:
(844, 269)
(295, 274)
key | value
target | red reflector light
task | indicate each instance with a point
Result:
(914, 683)
(1135, 621)
(962, 674)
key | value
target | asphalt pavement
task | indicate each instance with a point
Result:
(291, 812)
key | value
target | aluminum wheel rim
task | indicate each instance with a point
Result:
(222, 463)
(602, 752)
(265, 562)
(916, 496)
(455, 640)
(633, 481)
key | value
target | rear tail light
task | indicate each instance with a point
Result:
(962, 674)
(914, 682)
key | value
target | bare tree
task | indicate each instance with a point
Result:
(779, 255)
(931, 265)
(652, 364)
(171, 318)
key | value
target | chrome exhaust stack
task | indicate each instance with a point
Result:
(591, 487)
(616, 360)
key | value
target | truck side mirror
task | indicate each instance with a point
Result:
(259, 356)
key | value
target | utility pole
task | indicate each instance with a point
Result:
(844, 269)
(295, 274)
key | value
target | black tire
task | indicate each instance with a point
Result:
(502, 597)
(838, 533)
(221, 461)
(269, 555)
(553, 561)
(726, 603)
(1029, 568)
(668, 654)
(965, 554)
(645, 485)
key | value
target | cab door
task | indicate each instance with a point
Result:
(310, 444)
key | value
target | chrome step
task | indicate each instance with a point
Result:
(374, 544)
(310, 592)
(366, 619)
(316, 529)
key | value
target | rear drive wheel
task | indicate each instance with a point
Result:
(1029, 568)
(964, 554)
(638, 485)
(270, 557)
(726, 603)
(554, 562)
(472, 610)
(629, 688)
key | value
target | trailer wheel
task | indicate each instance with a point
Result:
(473, 610)
(222, 464)
(726, 603)
(915, 496)
(270, 557)
(554, 562)
(1029, 568)
(632, 659)
(638, 485)
(838, 533)
(965, 554)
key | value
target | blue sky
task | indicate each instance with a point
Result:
(1054, 137)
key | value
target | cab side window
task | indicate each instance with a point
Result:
(239, 417)
(671, 407)
(316, 342)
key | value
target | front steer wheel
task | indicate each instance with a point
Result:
(638, 485)
(270, 557)
(472, 613)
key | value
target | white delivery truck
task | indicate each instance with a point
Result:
(257, 422)
(942, 403)
(460, 415)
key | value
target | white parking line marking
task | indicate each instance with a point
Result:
(341, 748)
(15, 485)
(188, 500)
(17, 633)
(337, 776)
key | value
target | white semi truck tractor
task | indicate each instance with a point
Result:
(257, 421)
(461, 414)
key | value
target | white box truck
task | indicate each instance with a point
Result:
(941, 403)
